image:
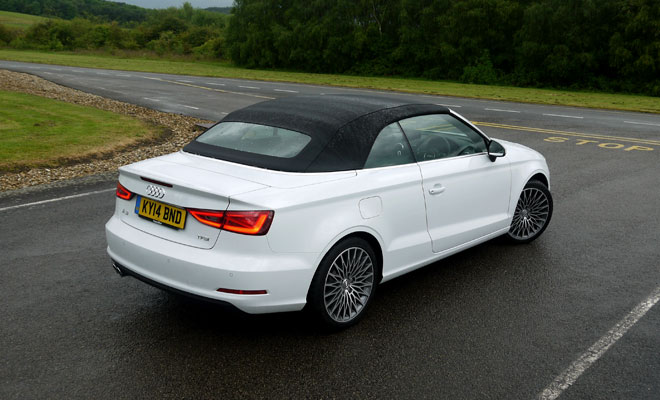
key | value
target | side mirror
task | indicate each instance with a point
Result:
(495, 150)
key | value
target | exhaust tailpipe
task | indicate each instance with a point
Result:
(118, 269)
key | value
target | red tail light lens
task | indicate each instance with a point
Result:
(124, 193)
(248, 222)
(243, 222)
(207, 217)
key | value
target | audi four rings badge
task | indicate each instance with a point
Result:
(155, 191)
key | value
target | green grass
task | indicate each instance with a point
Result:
(19, 21)
(35, 131)
(219, 69)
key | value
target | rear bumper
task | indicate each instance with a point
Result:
(235, 262)
(123, 271)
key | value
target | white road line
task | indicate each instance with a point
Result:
(153, 79)
(101, 73)
(222, 112)
(181, 80)
(74, 196)
(248, 87)
(194, 108)
(501, 110)
(215, 84)
(150, 99)
(284, 90)
(125, 75)
(562, 116)
(641, 123)
(449, 105)
(573, 372)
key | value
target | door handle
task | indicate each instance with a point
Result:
(437, 189)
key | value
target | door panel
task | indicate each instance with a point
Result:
(466, 194)
(466, 198)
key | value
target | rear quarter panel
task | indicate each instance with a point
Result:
(315, 217)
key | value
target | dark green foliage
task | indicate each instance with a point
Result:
(611, 45)
(592, 44)
(178, 31)
(222, 10)
(69, 9)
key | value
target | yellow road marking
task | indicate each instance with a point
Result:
(564, 133)
(213, 89)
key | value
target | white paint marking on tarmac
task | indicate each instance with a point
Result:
(222, 112)
(101, 73)
(284, 90)
(563, 116)
(181, 80)
(248, 87)
(449, 105)
(150, 99)
(125, 75)
(641, 123)
(153, 79)
(501, 110)
(74, 196)
(573, 372)
(215, 84)
(194, 108)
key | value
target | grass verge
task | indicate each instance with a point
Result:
(220, 69)
(19, 21)
(40, 132)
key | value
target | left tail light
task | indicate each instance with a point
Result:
(124, 193)
(208, 217)
(255, 223)
(248, 222)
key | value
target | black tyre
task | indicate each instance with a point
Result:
(344, 284)
(532, 214)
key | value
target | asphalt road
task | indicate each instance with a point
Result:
(494, 322)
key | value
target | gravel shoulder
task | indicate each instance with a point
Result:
(182, 130)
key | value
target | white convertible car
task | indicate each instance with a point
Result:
(312, 201)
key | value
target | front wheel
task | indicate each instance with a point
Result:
(344, 284)
(532, 214)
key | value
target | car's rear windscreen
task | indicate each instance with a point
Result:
(256, 139)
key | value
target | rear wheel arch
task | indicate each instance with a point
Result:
(364, 233)
(369, 237)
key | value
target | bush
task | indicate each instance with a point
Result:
(481, 72)
(6, 35)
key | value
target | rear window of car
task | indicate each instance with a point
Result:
(256, 139)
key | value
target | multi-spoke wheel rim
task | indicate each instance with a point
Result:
(348, 284)
(531, 214)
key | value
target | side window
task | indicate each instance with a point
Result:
(440, 136)
(389, 148)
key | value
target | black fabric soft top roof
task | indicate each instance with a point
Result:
(342, 127)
